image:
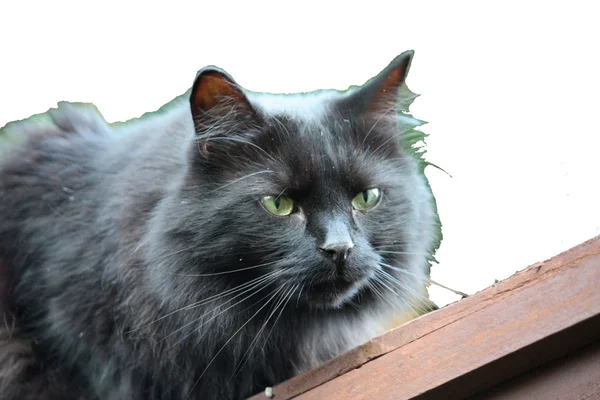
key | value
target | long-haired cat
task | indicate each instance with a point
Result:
(208, 250)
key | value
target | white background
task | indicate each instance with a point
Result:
(511, 91)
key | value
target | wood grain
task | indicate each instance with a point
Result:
(575, 377)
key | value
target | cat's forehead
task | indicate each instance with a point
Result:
(311, 106)
(319, 147)
(322, 155)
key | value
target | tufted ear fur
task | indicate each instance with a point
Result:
(218, 101)
(381, 92)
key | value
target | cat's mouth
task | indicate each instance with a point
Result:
(334, 293)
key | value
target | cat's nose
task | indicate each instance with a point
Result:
(338, 252)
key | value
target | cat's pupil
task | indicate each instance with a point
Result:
(365, 196)
(277, 202)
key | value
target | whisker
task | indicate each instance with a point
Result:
(404, 284)
(231, 139)
(279, 302)
(231, 338)
(227, 272)
(208, 299)
(264, 285)
(212, 318)
(282, 125)
(375, 124)
(458, 292)
(279, 315)
(406, 272)
(395, 244)
(386, 141)
(407, 304)
(299, 294)
(379, 293)
(402, 252)
(266, 171)
(164, 256)
(414, 294)
(400, 133)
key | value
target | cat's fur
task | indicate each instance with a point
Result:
(109, 232)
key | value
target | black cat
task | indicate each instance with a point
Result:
(221, 245)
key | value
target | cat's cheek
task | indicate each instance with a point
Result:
(298, 219)
(369, 223)
(360, 217)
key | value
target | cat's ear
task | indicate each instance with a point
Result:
(380, 94)
(215, 95)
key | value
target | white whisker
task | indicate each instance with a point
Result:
(375, 124)
(278, 303)
(231, 139)
(404, 301)
(299, 294)
(406, 272)
(458, 292)
(260, 279)
(402, 252)
(413, 293)
(407, 306)
(379, 293)
(279, 315)
(212, 318)
(231, 338)
(264, 284)
(227, 272)
(266, 171)
(162, 257)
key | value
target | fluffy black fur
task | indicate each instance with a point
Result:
(138, 262)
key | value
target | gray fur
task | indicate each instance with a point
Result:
(105, 229)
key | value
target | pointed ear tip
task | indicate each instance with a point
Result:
(214, 74)
(403, 60)
(407, 55)
(210, 69)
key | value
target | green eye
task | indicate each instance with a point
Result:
(280, 205)
(366, 200)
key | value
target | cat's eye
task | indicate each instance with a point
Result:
(367, 199)
(280, 205)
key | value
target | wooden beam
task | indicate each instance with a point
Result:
(539, 314)
(574, 377)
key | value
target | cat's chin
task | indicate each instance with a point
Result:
(334, 294)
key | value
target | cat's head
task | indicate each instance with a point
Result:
(318, 195)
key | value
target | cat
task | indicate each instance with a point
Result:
(219, 246)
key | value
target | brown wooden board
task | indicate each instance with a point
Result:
(538, 314)
(575, 377)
